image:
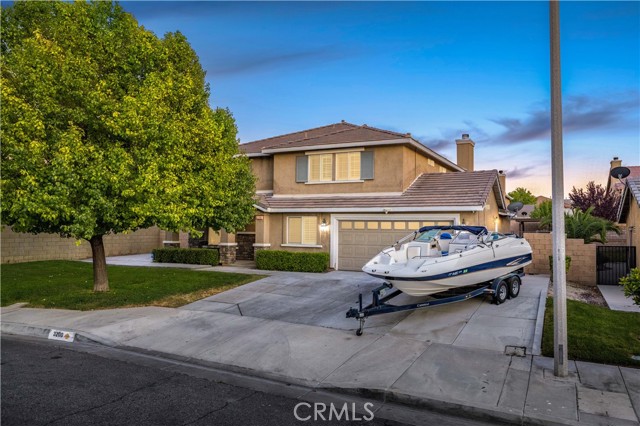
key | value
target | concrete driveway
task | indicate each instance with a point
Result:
(323, 300)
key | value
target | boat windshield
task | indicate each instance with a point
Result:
(428, 236)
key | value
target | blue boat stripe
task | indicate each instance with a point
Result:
(463, 271)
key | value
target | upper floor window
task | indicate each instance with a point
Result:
(348, 166)
(321, 168)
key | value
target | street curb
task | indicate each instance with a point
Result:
(20, 329)
(536, 347)
(311, 391)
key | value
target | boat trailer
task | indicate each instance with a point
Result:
(502, 288)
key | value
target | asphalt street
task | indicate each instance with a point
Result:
(44, 383)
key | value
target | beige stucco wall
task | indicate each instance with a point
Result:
(583, 257)
(414, 164)
(487, 216)
(278, 229)
(18, 247)
(262, 168)
(386, 178)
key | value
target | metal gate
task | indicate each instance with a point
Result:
(613, 263)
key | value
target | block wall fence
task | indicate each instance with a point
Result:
(17, 247)
(583, 258)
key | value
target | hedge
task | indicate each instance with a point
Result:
(187, 255)
(274, 260)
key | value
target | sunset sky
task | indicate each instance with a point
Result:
(435, 69)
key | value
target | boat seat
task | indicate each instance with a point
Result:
(416, 249)
(444, 243)
(413, 251)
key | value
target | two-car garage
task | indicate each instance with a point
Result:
(360, 239)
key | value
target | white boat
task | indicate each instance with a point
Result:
(438, 258)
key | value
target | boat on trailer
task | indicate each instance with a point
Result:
(436, 259)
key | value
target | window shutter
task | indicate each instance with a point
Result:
(366, 165)
(301, 169)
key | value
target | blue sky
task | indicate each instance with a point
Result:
(435, 69)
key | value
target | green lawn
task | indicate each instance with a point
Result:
(596, 334)
(69, 285)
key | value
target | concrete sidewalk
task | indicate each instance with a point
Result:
(447, 365)
(614, 295)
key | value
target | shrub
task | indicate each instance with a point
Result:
(192, 256)
(276, 260)
(631, 284)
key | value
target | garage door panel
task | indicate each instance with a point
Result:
(358, 244)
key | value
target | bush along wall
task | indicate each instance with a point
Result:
(187, 255)
(275, 260)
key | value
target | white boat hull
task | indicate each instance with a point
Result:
(425, 276)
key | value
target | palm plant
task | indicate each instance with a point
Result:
(590, 228)
(578, 223)
(543, 212)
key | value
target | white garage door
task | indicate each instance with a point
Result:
(360, 240)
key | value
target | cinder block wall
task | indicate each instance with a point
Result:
(18, 247)
(583, 258)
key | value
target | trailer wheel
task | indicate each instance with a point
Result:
(514, 287)
(502, 293)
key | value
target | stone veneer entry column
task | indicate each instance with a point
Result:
(228, 248)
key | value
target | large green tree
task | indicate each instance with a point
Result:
(522, 195)
(107, 128)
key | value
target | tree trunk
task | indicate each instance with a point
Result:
(100, 278)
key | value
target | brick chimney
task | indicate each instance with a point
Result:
(465, 152)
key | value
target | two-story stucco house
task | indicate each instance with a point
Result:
(350, 190)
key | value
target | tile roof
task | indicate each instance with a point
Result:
(631, 191)
(358, 134)
(431, 191)
(259, 145)
(340, 134)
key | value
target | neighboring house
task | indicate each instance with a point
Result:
(629, 212)
(541, 199)
(351, 190)
(523, 222)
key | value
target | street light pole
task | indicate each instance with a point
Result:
(560, 358)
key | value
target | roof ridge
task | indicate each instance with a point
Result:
(404, 135)
(317, 137)
(302, 131)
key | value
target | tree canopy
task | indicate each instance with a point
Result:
(107, 128)
(603, 202)
(522, 195)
